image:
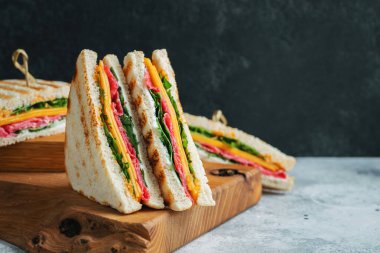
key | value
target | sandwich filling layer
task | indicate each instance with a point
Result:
(171, 128)
(33, 118)
(233, 150)
(118, 128)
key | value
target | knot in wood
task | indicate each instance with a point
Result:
(70, 227)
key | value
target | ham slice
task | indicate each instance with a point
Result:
(229, 156)
(117, 112)
(10, 129)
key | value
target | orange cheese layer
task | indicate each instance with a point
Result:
(133, 186)
(33, 114)
(191, 185)
(216, 143)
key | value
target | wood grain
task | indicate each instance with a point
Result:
(40, 154)
(40, 213)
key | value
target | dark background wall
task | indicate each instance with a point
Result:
(302, 75)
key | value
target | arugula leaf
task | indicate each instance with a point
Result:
(39, 128)
(201, 131)
(166, 83)
(165, 134)
(230, 141)
(115, 150)
(56, 103)
(114, 73)
(112, 142)
(128, 125)
(185, 142)
(239, 145)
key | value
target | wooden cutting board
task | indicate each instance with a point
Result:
(40, 154)
(39, 212)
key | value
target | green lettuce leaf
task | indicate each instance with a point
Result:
(165, 134)
(115, 150)
(112, 142)
(230, 141)
(128, 125)
(56, 103)
(185, 142)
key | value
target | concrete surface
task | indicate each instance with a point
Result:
(334, 207)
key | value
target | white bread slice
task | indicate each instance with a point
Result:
(171, 188)
(155, 200)
(90, 165)
(264, 148)
(161, 61)
(56, 128)
(268, 182)
(15, 93)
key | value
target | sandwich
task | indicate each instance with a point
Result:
(171, 150)
(217, 142)
(105, 158)
(30, 111)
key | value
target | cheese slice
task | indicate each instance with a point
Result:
(218, 144)
(33, 114)
(133, 186)
(192, 183)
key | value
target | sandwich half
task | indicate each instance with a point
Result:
(170, 148)
(217, 142)
(129, 122)
(103, 156)
(32, 111)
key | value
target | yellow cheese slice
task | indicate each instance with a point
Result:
(33, 114)
(134, 187)
(192, 183)
(218, 144)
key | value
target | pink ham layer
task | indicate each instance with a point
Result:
(229, 156)
(117, 112)
(168, 122)
(10, 129)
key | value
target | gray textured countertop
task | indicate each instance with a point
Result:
(334, 207)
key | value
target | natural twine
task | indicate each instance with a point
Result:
(24, 66)
(218, 116)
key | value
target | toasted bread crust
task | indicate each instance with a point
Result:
(14, 93)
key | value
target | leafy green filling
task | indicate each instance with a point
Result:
(185, 142)
(165, 134)
(56, 103)
(126, 121)
(231, 142)
(112, 142)
(115, 150)
(128, 125)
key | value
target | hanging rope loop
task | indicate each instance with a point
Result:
(24, 66)
(218, 116)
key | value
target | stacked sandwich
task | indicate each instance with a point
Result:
(127, 141)
(219, 143)
(30, 111)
